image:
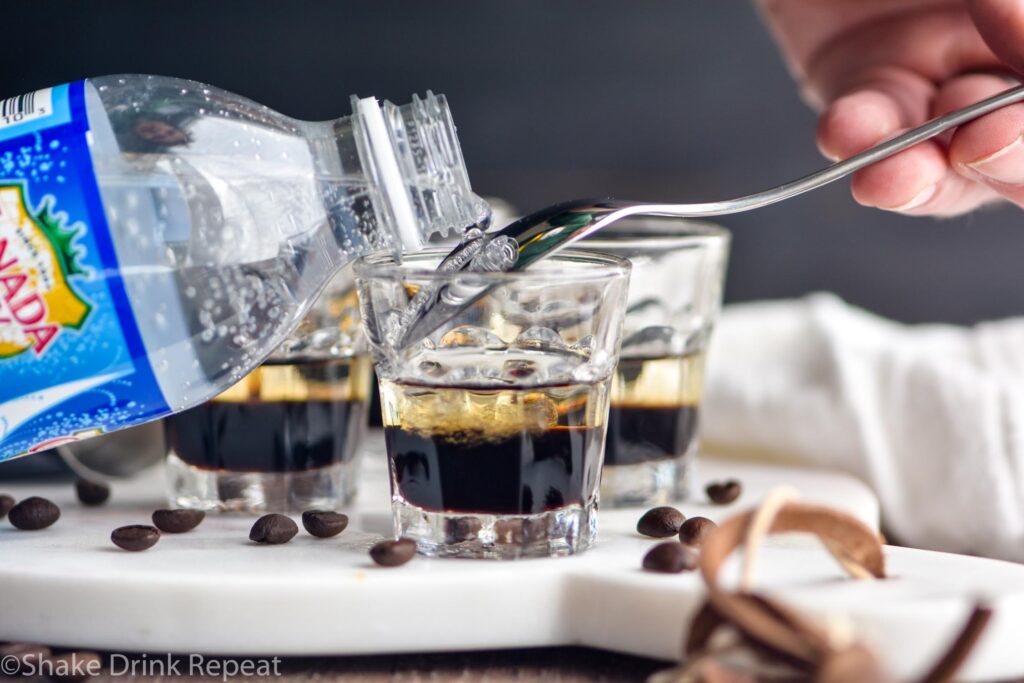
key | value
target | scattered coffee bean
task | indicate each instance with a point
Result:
(670, 558)
(74, 666)
(177, 521)
(34, 513)
(24, 653)
(135, 537)
(695, 530)
(6, 503)
(393, 553)
(91, 492)
(723, 492)
(661, 522)
(273, 529)
(461, 529)
(324, 523)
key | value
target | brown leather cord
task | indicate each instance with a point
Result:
(950, 663)
(781, 634)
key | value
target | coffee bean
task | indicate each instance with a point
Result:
(324, 523)
(695, 530)
(6, 503)
(135, 537)
(670, 558)
(273, 529)
(177, 521)
(91, 492)
(661, 522)
(461, 529)
(393, 553)
(34, 513)
(723, 492)
(74, 666)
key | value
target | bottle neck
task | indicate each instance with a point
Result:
(411, 156)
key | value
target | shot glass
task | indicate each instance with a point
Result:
(495, 423)
(675, 295)
(287, 436)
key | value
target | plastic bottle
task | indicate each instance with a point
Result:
(159, 238)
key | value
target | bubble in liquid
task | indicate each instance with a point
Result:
(518, 369)
(539, 339)
(540, 411)
(585, 346)
(468, 336)
(431, 368)
(190, 292)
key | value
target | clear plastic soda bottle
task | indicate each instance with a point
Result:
(159, 238)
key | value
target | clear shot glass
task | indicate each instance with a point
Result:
(287, 436)
(675, 295)
(495, 423)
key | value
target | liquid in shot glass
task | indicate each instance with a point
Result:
(495, 424)
(675, 295)
(287, 436)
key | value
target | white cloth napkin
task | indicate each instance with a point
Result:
(931, 417)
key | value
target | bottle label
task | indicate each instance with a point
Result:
(72, 363)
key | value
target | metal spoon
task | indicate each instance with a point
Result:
(545, 232)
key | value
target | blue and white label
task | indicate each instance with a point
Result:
(34, 111)
(72, 363)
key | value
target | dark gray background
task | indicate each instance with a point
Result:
(559, 99)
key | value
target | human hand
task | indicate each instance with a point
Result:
(878, 67)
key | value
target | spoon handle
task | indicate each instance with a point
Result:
(838, 170)
(551, 229)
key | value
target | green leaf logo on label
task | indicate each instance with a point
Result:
(38, 260)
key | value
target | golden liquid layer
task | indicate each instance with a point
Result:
(474, 414)
(334, 379)
(659, 382)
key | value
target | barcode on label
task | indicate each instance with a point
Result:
(22, 104)
(27, 107)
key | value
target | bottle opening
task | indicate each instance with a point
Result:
(427, 151)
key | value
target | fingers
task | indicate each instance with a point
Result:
(936, 42)
(920, 180)
(892, 99)
(1001, 24)
(989, 150)
(915, 181)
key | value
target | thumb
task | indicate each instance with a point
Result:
(1001, 24)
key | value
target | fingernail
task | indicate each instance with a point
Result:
(919, 199)
(1003, 166)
